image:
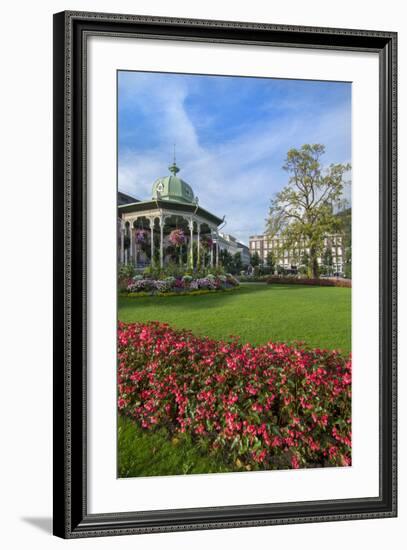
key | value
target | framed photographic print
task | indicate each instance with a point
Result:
(224, 274)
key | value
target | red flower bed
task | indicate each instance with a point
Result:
(267, 407)
(347, 283)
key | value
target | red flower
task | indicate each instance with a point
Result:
(294, 462)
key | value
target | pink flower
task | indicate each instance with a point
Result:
(294, 462)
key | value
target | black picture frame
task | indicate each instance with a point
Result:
(71, 519)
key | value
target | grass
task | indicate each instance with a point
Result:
(258, 313)
(147, 453)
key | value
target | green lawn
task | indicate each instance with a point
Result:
(319, 316)
(152, 453)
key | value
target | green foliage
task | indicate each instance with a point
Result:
(174, 269)
(231, 263)
(271, 261)
(345, 220)
(254, 278)
(327, 257)
(226, 259)
(237, 263)
(303, 211)
(348, 263)
(261, 270)
(255, 259)
(124, 273)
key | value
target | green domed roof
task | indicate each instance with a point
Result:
(173, 188)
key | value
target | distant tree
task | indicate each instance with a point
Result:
(237, 262)
(345, 217)
(303, 211)
(226, 260)
(348, 263)
(271, 261)
(327, 260)
(304, 268)
(255, 259)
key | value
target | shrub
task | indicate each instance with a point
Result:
(269, 407)
(186, 279)
(141, 285)
(261, 270)
(231, 280)
(253, 279)
(124, 274)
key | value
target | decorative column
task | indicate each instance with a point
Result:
(122, 244)
(135, 244)
(162, 222)
(211, 261)
(126, 250)
(198, 246)
(152, 240)
(131, 242)
(191, 243)
(217, 249)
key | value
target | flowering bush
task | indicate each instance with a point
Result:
(177, 237)
(207, 242)
(139, 284)
(141, 236)
(163, 286)
(269, 407)
(209, 282)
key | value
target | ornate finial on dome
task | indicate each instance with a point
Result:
(174, 168)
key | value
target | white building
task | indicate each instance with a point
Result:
(291, 259)
(233, 246)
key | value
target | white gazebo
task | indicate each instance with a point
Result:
(149, 223)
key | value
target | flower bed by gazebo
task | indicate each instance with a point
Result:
(185, 284)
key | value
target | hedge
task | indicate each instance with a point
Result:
(178, 292)
(347, 283)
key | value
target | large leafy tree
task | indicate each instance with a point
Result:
(303, 212)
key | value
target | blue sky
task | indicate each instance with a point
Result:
(231, 133)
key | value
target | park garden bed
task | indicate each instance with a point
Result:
(142, 285)
(346, 283)
(252, 407)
